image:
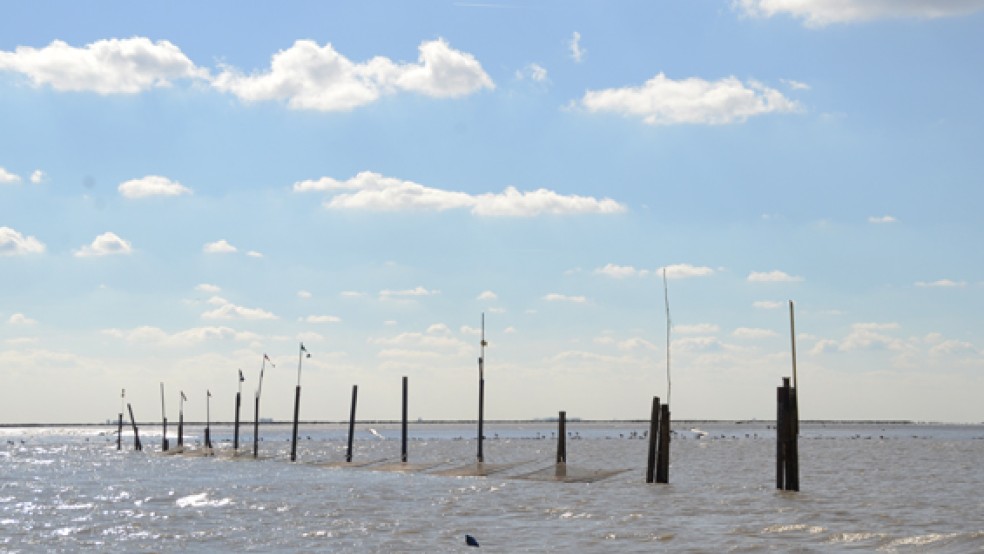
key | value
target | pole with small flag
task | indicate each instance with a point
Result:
(297, 402)
(481, 392)
(164, 444)
(235, 434)
(181, 419)
(208, 418)
(256, 407)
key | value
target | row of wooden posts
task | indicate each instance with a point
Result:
(658, 458)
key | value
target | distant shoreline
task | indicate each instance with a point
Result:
(502, 422)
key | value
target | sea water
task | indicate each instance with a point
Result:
(867, 487)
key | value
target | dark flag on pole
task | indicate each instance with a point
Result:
(241, 378)
(303, 349)
(209, 393)
(183, 397)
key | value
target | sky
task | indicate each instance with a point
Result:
(185, 188)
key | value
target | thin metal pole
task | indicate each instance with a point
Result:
(792, 336)
(666, 300)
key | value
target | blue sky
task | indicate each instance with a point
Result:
(184, 189)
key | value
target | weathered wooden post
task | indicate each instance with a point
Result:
(297, 403)
(351, 429)
(561, 467)
(403, 447)
(653, 441)
(136, 434)
(119, 433)
(663, 456)
(787, 429)
(235, 432)
(208, 418)
(256, 426)
(164, 444)
(181, 419)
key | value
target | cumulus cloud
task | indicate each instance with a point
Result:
(487, 295)
(817, 13)
(753, 333)
(219, 247)
(696, 329)
(683, 271)
(110, 66)
(209, 288)
(8, 178)
(106, 244)
(20, 319)
(13, 243)
(767, 304)
(254, 254)
(664, 101)
(152, 185)
(772, 277)
(555, 297)
(577, 51)
(942, 283)
(416, 292)
(38, 177)
(534, 72)
(227, 310)
(303, 294)
(374, 192)
(322, 319)
(312, 77)
(882, 219)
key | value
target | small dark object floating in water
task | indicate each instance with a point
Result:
(470, 540)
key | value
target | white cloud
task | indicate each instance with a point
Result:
(683, 271)
(106, 244)
(621, 271)
(8, 178)
(254, 254)
(468, 330)
(13, 243)
(487, 295)
(554, 297)
(942, 283)
(795, 85)
(155, 335)
(664, 101)
(767, 304)
(20, 319)
(152, 185)
(304, 294)
(38, 177)
(817, 13)
(206, 287)
(219, 247)
(323, 319)
(753, 333)
(636, 343)
(227, 310)
(438, 329)
(882, 219)
(772, 277)
(534, 72)
(375, 192)
(696, 329)
(108, 66)
(351, 294)
(577, 52)
(424, 340)
(407, 293)
(312, 77)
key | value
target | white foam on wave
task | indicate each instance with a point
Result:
(200, 500)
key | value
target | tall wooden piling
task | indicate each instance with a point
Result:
(235, 432)
(164, 444)
(663, 456)
(787, 435)
(351, 429)
(256, 427)
(653, 441)
(119, 433)
(297, 413)
(562, 438)
(481, 393)
(403, 444)
(181, 424)
(136, 433)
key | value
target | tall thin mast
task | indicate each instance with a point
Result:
(666, 300)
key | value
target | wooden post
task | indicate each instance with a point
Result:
(181, 424)
(663, 456)
(164, 444)
(136, 434)
(119, 434)
(787, 437)
(653, 441)
(562, 438)
(403, 447)
(355, 396)
(235, 432)
(780, 438)
(297, 413)
(256, 427)
(481, 418)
